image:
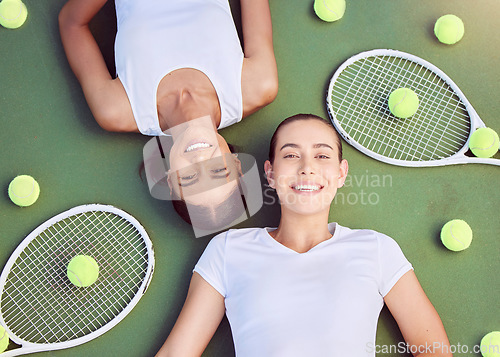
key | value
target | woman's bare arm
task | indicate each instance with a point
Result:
(260, 74)
(106, 97)
(200, 316)
(417, 319)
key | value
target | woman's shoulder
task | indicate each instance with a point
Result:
(368, 240)
(232, 240)
(237, 232)
(363, 234)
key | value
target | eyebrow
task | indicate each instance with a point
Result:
(315, 146)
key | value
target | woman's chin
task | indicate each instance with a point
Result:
(308, 205)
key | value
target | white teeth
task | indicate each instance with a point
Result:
(197, 146)
(307, 187)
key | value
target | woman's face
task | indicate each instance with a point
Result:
(306, 172)
(202, 168)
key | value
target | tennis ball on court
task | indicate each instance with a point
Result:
(24, 190)
(484, 142)
(13, 13)
(83, 271)
(490, 344)
(456, 235)
(403, 103)
(4, 339)
(329, 10)
(449, 29)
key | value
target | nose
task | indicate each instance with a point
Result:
(306, 167)
(200, 156)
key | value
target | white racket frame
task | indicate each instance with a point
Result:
(28, 347)
(458, 158)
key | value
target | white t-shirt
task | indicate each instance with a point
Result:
(156, 37)
(322, 303)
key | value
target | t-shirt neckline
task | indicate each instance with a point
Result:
(333, 226)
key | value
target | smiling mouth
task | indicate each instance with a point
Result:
(197, 146)
(307, 188)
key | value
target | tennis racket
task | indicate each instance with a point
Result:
(438, 134)
(42, 310)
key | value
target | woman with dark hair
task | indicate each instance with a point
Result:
(176, 61)
(308, 287)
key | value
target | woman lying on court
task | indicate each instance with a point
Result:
(308, 287)
(176, 61)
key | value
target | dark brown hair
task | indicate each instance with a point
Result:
(213, 217)
(297, 117)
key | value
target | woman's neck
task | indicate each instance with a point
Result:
(301, 232)
(184, 95)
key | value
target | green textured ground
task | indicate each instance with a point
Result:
(48, 132)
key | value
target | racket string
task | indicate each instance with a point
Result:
(358, 100)
(390, 82)
(52, 301)
(74, 311)
(32, 290)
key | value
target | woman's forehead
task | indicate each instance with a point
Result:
(307, 131)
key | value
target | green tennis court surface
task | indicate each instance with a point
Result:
(48, 132)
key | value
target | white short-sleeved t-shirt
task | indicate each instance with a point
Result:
(322, 303)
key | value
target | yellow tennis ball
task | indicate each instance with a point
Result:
(403, 103)
(456, 235)
(24, 190)
(449, 29)
(329, 10)
(490, 344)
(13, 13)
(4, 339)
(83, 271)
(484, 142)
